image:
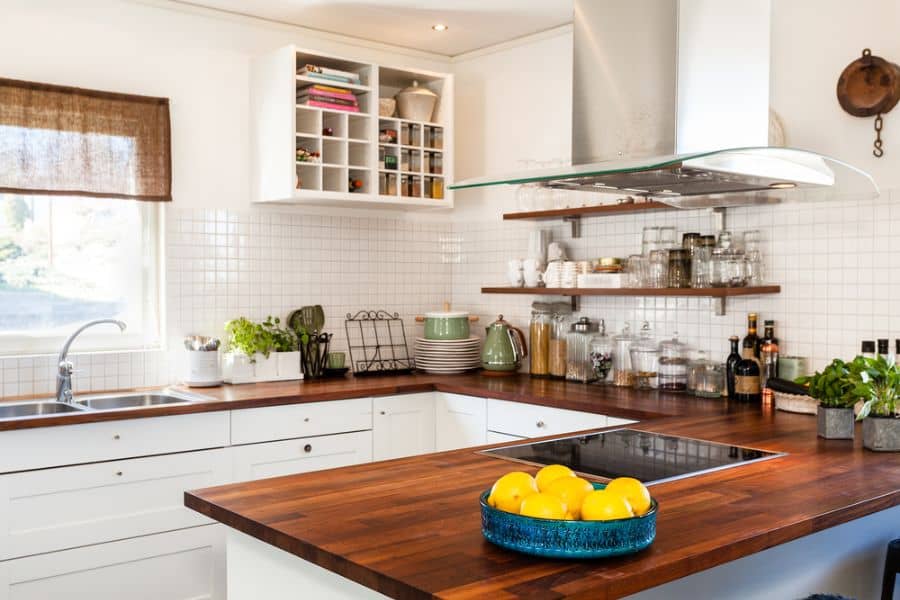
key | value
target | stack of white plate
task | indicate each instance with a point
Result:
(448, 356)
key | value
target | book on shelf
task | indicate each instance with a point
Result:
(330, 106)
(323, 90)
(317, 98)
(317, 71)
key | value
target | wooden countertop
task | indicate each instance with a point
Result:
(410, 528)
(620, 402)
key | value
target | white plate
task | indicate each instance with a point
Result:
(470, 340)
(448, 371)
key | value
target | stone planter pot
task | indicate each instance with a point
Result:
(881, 434)
(835, 423)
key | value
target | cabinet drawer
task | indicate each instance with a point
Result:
(254, 425)
(495, 438)
(177, 565)
(54, 509)
(532, 420)
(273, 459)
(25, 449)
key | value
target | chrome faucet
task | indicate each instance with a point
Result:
(64, 374)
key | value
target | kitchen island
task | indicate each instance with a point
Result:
(410, 528)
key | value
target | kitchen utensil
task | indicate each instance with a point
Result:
(318, 318)
(504, 347)
(869, 86)
(202, 368)
(416, 103)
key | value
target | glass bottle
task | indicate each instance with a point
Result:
(602, 354)
(558, 346)
(539, 341)
(730, 363)
(768, 353)
(750, 345)
(673, 365)
(746, 381)
(645, 359)
(579, 366)
(622, 373)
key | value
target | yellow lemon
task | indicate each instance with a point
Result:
(632, 490)
(551, 473)
(543, 506)
(571, 490)
(601, 505)
(509, 491)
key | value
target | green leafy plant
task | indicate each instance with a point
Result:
(283, 339)
(248, 337)
(835, 386)
(878, 383)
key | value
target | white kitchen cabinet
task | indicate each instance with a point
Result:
(54, 509)
(273, 459)
(403, 425)
(533, 420)
(271, 423)
(178, 565)
(460, 421)
(495, 438)
(618, 422)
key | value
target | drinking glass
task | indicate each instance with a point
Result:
(634, 269)
(755, 267)
(658, 269)
(667, 237)
(649, 240)
(751, 240)
(701, 267)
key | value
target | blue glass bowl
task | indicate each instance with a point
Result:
(567, 539)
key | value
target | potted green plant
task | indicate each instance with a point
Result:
(879, 387)
(247, 349)
(834, 388)
(285, 346)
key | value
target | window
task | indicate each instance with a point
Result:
(67, 260)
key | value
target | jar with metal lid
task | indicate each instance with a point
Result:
(645, 359)
(539, 342)
(601, 354)
(673, 365)
(559, 332)
(707, 377)
(622, 373)
(579, 366)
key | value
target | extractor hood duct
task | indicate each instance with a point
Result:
(671, 101)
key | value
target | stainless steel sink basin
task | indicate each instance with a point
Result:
(140, 400)
(36, 409)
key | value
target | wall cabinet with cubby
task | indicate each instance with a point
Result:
(304, 151)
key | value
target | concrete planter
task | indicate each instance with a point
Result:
(835, 423)
(881, 434)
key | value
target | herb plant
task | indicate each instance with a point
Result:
(283, 339)
(836, 386)
(879, 386)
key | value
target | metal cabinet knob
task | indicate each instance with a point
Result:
(382, 412)
(117, 437)
(307, 448)
(118, 473)
(540, 424)
(306, 419)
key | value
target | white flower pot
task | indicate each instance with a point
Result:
(266, 368)
(288, 365)
(237, 368)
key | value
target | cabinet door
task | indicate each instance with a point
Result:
(460, 421)
(495, 438)
(534, 420)
(403, 425)
(178, 565)
(273, 459)
(54, 509)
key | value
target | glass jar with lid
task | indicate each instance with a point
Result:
(539, 343)
(602, 354)
(559, 355)
(673, 365)
(645, 359)
(707, 377)
(579, 366)
(622, 373)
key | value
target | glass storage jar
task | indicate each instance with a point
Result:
(622, 373)
(558, 346)
(644, 359)
(707, 377)
(673, 365)
(539, 342)
(579, 366)
(602, 354)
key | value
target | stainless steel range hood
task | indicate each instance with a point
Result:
(655, 115)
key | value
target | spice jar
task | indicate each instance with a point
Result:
(559, 331)
(707, 377)
(579, 366)
(673, 365)
(601, 354)
(539, 341)
(622, 373)
(644, 359)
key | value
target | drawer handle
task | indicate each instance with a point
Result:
(117, 437)
(541, 424)
(307, 448)
(306, 419)
(382, 412)
(118, 473)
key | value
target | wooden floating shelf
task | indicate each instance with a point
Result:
(589, 211)
(689, 292)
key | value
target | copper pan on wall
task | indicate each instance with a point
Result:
(869, 86)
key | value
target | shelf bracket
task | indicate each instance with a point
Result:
(719, 221)
(574, 301)
(575, 222)
(719, 306)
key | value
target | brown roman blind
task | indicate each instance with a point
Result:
(74, 142)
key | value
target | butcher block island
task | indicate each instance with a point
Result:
(821, 512)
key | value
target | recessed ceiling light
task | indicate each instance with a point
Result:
(440, 27)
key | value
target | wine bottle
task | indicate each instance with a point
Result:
(730, 363)
(750, 345)
(746, 381)
(768, 353)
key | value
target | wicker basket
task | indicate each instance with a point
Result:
(795, 403)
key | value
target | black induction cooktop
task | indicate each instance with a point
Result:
(649, 457)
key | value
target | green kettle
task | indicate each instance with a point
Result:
(504, 347)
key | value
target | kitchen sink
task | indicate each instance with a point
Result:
(140, 400)
(36, 409)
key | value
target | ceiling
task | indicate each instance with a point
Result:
(473, 24)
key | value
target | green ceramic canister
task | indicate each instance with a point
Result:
(447, 326)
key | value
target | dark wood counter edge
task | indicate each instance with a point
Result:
(471, 385)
